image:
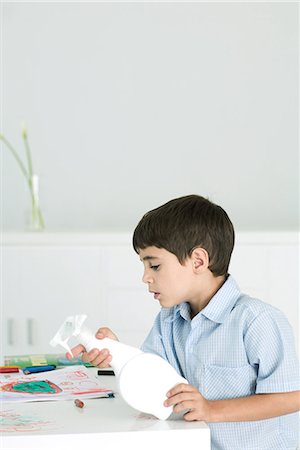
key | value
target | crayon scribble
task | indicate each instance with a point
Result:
(10, 421)
(32, 387)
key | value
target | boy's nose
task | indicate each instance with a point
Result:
(147, 277)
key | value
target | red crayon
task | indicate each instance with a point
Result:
(79, 403)
(8, 369)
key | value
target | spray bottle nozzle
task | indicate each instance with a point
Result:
(70, 327)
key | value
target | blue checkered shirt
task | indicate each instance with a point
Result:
(235, 347)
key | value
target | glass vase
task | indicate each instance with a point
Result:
(36, 219)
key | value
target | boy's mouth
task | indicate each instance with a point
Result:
(155, 294)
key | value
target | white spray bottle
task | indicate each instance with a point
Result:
(143, 378)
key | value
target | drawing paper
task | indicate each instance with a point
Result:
(60, 384)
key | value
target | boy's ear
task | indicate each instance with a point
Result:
(200, 259)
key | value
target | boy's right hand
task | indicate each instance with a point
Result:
(98, 358)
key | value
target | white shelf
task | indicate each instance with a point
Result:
(125, 238)
(65, 238)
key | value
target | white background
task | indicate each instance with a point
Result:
(130, 104)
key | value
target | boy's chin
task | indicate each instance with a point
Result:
(164, 303)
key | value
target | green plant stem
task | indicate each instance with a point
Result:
(41, 219)
(36, 212)
(28, 154)
(21, 165)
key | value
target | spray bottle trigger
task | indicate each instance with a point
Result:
(70, 327)
(58, 341)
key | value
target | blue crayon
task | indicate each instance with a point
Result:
(36, 369)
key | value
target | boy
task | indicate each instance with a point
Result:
(236, 352)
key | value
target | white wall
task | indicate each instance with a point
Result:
(131, 104)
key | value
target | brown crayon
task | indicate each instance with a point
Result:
(78, 403)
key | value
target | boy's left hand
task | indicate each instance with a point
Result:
(185, 397)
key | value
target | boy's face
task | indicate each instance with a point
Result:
(170, 282)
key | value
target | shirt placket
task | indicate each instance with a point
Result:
(192, 362)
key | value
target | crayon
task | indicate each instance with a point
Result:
(106, 372)
(9, 369)
(78, 403)
(37, 369)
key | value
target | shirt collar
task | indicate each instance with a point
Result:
(217, 309)
(222, 303)
(171, 314)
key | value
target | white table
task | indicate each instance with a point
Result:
(101, 422)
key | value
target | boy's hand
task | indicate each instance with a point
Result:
(185, 397)
(95, 357)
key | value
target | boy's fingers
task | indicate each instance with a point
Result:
(77, 350)
(177, 399)
(105, 332)
(100, 334)
(182, 387)
(102, 359)
(105, 363)
(90, 356)
(95, 356)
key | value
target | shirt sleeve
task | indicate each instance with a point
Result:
(271, 349)
(153, 342)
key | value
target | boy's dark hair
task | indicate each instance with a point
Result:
(185, 223)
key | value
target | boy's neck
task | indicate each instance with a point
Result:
(211, 286)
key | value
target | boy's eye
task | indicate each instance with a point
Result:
(154, 267)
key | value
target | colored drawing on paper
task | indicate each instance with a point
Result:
(32, 387)
(10, 421)
(60, 384)
(77, 375)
